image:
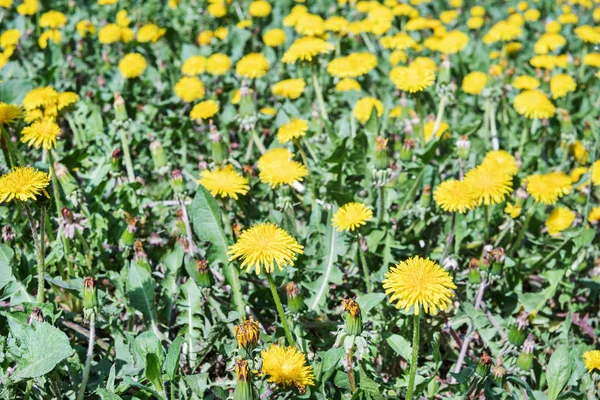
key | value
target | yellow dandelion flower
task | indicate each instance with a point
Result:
(253, 65)
(107, 2)
(592, 360)
(294, 129)
(10, 38)
(594, 215)
(474, 82)
(259, 8)
(84, 27)
(419, 283)
(243, 24)
(400, 41)
(53, 35)
(41, 133)
(305, 49)
(489, 185)
(274, 37)
(195, 65)
(351, 216)
(53, 19)
(559, 219)
(221, 33)
(150, 33)
(290, 88)
(502, 31)
(282, 172)
(28, 7)
(264, 246)
(352, 66)
(224, 182)
(204, 110)
(276, 155)
(270, 111)
(66, 99)
(534, 104)
(549, 42)
(525, 82)
(588, 34)
(310, 25)
(442, 130)
(562, 84)
(592, 59)
(475, 23)
(577, 173)
(454, 196)
(132, 65)
(413, 78)
(501, 160)
(514, 210)
(337, 24)
(23, 183)
(532, 15)
(286, 366)
(596, 173)
(347, 85)
(364, 107)
(110, 33)
(217, 9)
(453, 42)
(218, 64)
(9, 113)
(189, 88)
(548, 188)
(396, 112)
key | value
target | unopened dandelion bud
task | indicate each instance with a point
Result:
(354, 324)
(177, 182)
(518, 332)
(486, 259)
(474, 275)
(36, 315)
(463, 147)
(444, 72)
(247, 107)
(294, 297)
(158, 154)
(582, 195)
(140, 256)
(216, 143)
(498, 257)
(119, 106)
(407, 150)
(243, 386)
(115, 160)
(246, 334)
(483, 365)
(498, 371)
(426, 196)
(128, 236)
(203, 275)
(525, 359)
(90, 300)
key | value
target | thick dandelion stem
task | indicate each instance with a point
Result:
(39, 251)
(88, 358)
(365, 266)
(421, 119)
(486, 214)
(380, 204)
(493, 130)
(127, 155)
(439, 116)
(524, 137)
(259, 144)
(415, 356)
(59, 206)
(449, 238)
(286, 327)
(351, 370)
(302, 153)
(319, 94)
(522, 232)
(13, 153)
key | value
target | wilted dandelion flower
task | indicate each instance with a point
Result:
(286, 366)
(474, 82)
(346, 85)
(419, 283)
(413, 78)
(132, 65)
(218, 64)
(305, 49)
(194, 65)
(274, 37)
(23, 183)
(351, 216)
(591, 360)
(559, 219)
(189, 88)
(501, 160)
(264, 246)
(253, 65)
(525, 82)
(534, 104)
(204, 110)
(290, 88)
(247, 333)
(489, 185)
(454, 196)
(562, 84)
(41, 133)
(9, 113)
(548, 188)
(293, 129)
(364, 107)
(224, 182)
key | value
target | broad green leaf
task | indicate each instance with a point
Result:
(140, 290)
(6, 257)
(558, 371)
(106, 395)
(207, 224)
(173, 357)
(153, 371)
(369, 385)
(368, 301)
(400, 345)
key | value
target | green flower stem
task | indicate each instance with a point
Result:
(522, 232)
(310, 150)
(88, 358)
(493, 130)
(524, 136)
(127, 155)
(236, 286)
(439, 116)
(380, 204)
(13, 152)
(414, 358)
(351, 370)
(421, 119)
(449, 238)
(302, 153)
(319, 94)
(596, 137)
(39, 251)
(59, 206)
(365, 266)
(288, 332)
(259, 144)
(486, 214)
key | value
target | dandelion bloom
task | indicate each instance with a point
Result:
(548, 188)
(592, 59)
(453, 42)
(559, 219)
(525, 82)
(514, 210)
(588, 34)
(189, 88)
(204, 110)
(346, 85)
(23, 183)
(305, 49)
(286, 366)
(53, 19)
(351, 216)
(310, 25)
(501, 160)
(352, 66)
(454, 196)
(562, 84)
(291, 130)
(51, 34)
(225, 182)
(253, 65)
(150, 33)
(195, 65)
(428, 130)
(217, 9)
(534, 104)
(9, 113)
(41, 133)
(290, 88)
(274, 37)
(218, 64)
(596, 173)
(259, 8)
(66, 99)
(474, 82)
(489, 185)
(364, 107)
(419, 283)
(413, 78)
(281, 172)
(594, 215)
(10, 38)
(132, 65)
(264, 246)
(84, 27)
(276, 155)
(592, 360)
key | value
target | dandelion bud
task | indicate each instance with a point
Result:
(498, 257)
(158, 154)
(354, 325)
(216, 143)
(119, 106)
(525, 359)
(243, 387)
(426, 196)
(486, 259)
(36, 315)
(483, 365)
(381, 153)
(444, 72)
(115, 160)
(246, 334)
(498, 371)
(203, 276)
(474, 276)
(463, 147)
(315, 112)
(128, 237)
(90, 301)
(517, 333)
(294, 297)
(140, 255)
(407, 150)
(177, 182)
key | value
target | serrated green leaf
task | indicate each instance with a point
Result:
(558, 371)
(173, 357)
(140, 290)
